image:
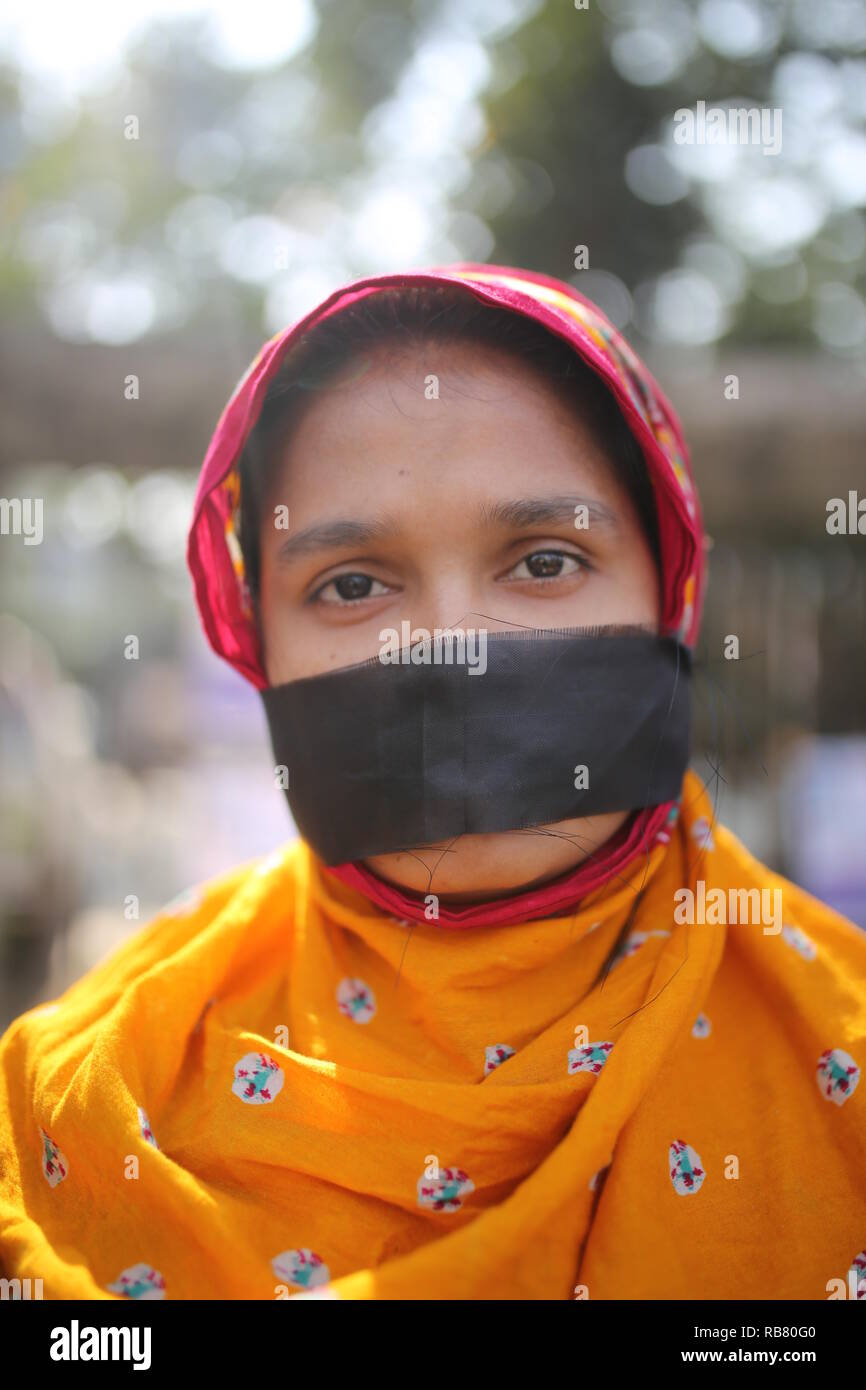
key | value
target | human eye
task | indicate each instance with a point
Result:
(349, 588)
(547, 564)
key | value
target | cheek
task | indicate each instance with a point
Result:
(277, 650)
(293, 644)
(639, 584)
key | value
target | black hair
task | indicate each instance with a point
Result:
(404, 318)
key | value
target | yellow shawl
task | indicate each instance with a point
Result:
(276, 1088)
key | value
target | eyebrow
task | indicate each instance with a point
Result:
(516, 513)
(333, 535)
(536, 511)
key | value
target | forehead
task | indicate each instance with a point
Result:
(454, 403)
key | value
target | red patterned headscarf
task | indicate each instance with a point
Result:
(216, 563)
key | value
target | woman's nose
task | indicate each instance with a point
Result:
(455, 605)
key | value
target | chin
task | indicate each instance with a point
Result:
(479, 867)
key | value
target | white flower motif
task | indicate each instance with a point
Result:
(702, 833)
(356, 1000)
(258, 1080)
(301, 1267)
(144, 1126)
(686, 1170)
(54, 1163)
(446, 1192)
(837, 1075)
(590, 1058)
(139, 1281)
(633, 943)
(858, 1268)
(494, 1056)
(801, 943)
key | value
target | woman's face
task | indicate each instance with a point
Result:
(456, 512)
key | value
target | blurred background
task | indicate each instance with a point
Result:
(182, 180)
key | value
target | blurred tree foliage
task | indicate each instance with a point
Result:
(543, 170)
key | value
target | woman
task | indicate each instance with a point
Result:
(515, 1018)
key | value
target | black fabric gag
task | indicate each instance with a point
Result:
(389, 755)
